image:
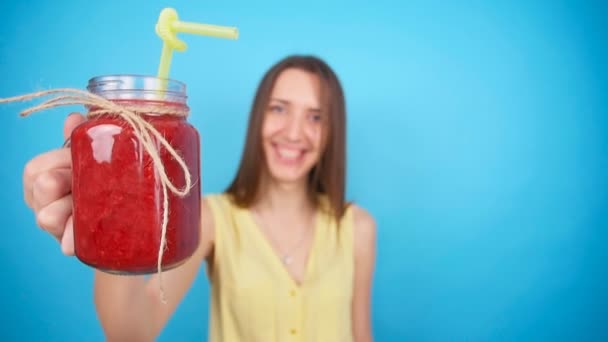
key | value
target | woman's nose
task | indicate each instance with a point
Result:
(295, 127)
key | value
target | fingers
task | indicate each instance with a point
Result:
(56, 159)
(47, 184)
(67, 241)
(54, 217)
(50, 186)
(73, 120)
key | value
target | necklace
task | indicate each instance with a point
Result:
(286, 257)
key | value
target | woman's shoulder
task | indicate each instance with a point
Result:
(364, 229)
(216, 204)
(215, 196)
(219, 199)
(219, 213)
(362, 218)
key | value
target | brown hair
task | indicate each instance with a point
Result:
(329, 175)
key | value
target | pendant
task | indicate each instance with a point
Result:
(287, 260)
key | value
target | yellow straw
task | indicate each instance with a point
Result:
(169, 25)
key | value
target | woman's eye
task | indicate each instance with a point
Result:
(277, 109)
(315, 117)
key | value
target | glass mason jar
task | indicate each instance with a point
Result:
(117, 192)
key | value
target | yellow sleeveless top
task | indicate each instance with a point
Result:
(255, 299)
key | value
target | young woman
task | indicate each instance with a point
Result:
(288, 258)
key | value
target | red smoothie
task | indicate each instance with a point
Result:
(118, 197)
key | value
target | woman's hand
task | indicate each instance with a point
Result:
(47, 188)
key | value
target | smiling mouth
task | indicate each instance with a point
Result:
(288, 155)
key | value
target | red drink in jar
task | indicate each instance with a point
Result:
(117, 192)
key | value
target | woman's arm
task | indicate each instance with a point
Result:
(365, 257)
(129, 308)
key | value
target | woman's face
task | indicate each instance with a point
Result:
(293, 132)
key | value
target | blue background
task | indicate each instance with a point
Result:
(477, 137)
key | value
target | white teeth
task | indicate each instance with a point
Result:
(289, 153)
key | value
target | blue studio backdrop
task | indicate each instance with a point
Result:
(477, 137)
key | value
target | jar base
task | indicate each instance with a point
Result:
(134, 272)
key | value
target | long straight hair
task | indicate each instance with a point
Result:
(328, 176)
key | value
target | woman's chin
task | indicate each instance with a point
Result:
(288, 177)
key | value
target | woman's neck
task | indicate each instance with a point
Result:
(285, 200)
